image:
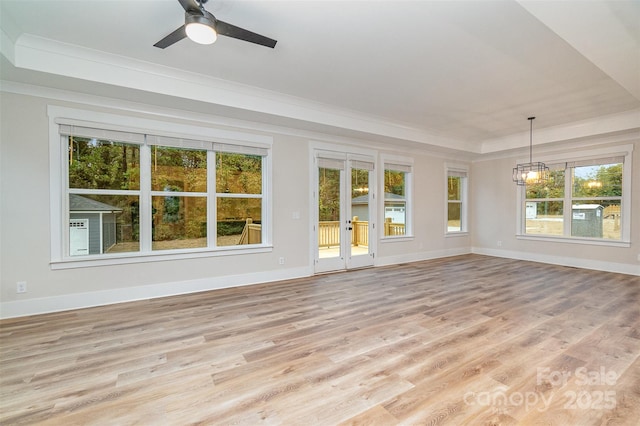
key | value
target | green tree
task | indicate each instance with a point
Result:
(552, 188)
(605, 181)
(100, 164)
(328, 194)
(394, 182)
(238, 173)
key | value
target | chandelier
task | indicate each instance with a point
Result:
(530, 173)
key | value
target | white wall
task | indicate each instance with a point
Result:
(25, 226)
(494, 222)
(25, 222)
(25, 250)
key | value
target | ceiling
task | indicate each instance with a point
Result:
(462, 75)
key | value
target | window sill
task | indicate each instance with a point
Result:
(456, 234)
(158, 256)
(575, 240)
(397, 239)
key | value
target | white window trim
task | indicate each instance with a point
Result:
(57, 177)
(595, 153)
(386, 159)
(464, 199)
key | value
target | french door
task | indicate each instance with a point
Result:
(345, 211)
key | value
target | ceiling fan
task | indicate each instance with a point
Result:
(202, 27)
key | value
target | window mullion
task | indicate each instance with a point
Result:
(266, 212)
(65, 213)
(145, 199)
(212, 220)
(567, 202)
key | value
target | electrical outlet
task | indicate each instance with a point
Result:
(281, 261)
(21, 287)
(499, 243)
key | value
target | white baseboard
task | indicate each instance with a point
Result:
(621, 268)
(416, 257)
(20, 308)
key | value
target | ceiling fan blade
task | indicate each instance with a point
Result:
(229, 30)
(174, 37)
(190, 5)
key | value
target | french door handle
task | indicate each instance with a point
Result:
(349, 228)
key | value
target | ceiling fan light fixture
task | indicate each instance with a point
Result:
(200, 29)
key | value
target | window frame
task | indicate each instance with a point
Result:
(232, 195)
(462, 171)
(406, 166)
(187, 134)
(123, 139)
(596, 153)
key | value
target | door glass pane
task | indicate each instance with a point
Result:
(360, 212)
(328, 212)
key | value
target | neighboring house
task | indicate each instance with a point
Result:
(394, 207)
(92, 226)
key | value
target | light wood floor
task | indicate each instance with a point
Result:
(463, 340)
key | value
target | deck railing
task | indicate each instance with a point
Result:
(251, 234)
(393, 229)
(360, 232)
(329, 232)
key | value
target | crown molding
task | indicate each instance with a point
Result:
(49, 56)
(157, 112)
(7, 47)
(614, 125)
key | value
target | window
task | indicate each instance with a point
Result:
(136, 194)
(584, 199)
(544, 205)
(179, 198)
(397, 184)
(456, 200)
(596, 196)
(238, 198)
(103, 188)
